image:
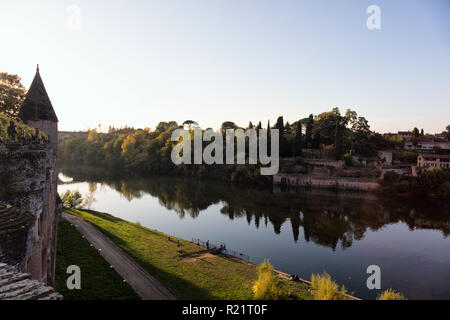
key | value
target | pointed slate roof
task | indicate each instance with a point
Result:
(37, 105)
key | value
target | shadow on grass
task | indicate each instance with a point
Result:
(180, 288)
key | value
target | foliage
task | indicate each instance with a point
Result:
(430, 182)
(72, 199)
(265, 287)
(98, 280)
(12, 94)
(324, 288)
(22, 130)
(390, 294)
(146, 151)
(405, 156)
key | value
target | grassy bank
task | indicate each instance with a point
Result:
(194, 274)
(98, 280)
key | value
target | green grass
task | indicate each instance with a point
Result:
(98, 280)
(194, 274)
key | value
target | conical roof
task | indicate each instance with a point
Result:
(37, 104)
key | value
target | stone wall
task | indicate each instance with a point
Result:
(304, 180)
(28, 182)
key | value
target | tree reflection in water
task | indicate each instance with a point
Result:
(328, 218)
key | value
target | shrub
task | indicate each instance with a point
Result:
(21, 129)
(391, 176)
(265, 287)
(325, 288)
(391, 295)
(72, 199)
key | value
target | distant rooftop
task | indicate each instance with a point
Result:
(440, 156)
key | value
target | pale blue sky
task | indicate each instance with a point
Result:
(141, 62)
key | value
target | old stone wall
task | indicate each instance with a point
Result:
(304, 180)
(28, 182)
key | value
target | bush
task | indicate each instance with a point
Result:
(265, 287)
(391, 295)
(72, 199)
(21, 129)
(325, 288)
(391, 176)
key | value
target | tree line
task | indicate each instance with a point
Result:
(149, 151)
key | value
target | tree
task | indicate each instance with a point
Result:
(228, 125)
(338, 141)
(361, 129)
(280, 126)
(298, 140)
(190, 124)
(447, 133)
(12, 94)
(287, 128)
(415, 137)
(72, 199)
(309, 131)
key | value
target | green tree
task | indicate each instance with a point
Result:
(447, 133)
(280, 126)
(338, 141)
(309, 131)
(228, 125)
(72, 199)
(12, 94)
(298, 140)
(190, 124)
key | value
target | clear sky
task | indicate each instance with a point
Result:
(140, 62)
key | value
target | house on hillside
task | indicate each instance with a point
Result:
(433, 160)
(427, 144)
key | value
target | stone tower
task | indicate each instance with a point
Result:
(37, 112)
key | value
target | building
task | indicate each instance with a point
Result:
(37, 112)
(385, 156)
(433, 160)
(404, 134)
(427, 144)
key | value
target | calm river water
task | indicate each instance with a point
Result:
(300, 231)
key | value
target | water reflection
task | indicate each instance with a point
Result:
(327, 218)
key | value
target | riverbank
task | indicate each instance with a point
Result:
(192, 274)
(98, 280)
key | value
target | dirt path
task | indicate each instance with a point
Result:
(143, 283)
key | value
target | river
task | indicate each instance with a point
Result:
(301, 232)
